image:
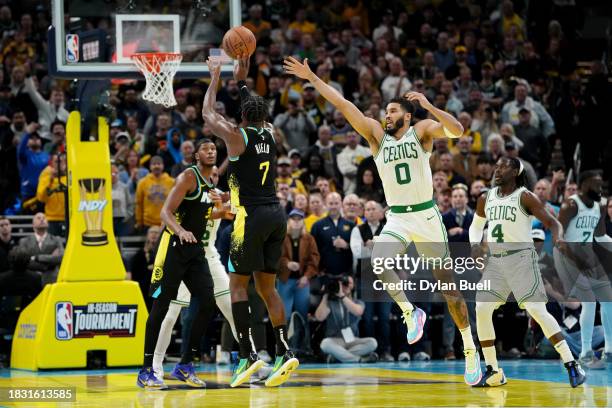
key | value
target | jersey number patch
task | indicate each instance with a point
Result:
(402, 173)
(498, 233)
(265, 166)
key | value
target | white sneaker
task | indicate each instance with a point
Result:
(403, 356)
(223, 358)
(422, 356)
(264, 356)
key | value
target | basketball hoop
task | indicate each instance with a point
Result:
(158, 69)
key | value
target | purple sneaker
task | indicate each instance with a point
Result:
(186, 373)
(148, 380)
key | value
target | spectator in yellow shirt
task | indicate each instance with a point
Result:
(151, 193)
(284, 176)
(260, 27)
(301, 24)
(316, 210)
(51, 192)
(466, 121)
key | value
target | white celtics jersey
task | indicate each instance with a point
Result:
(508, 222)
(210, 236)
(581, 228)
(403, 166)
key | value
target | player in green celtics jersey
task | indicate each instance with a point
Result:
(401, 152)
(512, 265)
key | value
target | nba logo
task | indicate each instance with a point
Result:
(63, 321)
(72, 48)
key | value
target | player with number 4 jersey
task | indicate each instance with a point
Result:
(401, 151)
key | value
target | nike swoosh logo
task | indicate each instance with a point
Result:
(326, 228)
(183, 372)
(430, 217)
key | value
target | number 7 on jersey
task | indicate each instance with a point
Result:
(265, 166)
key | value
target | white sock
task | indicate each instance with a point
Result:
(468, 340)
(406, 307)
(564, 351)
(490, 356)
(165, 335)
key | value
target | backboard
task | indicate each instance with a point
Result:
(94, 39)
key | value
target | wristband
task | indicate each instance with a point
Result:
(241, 83)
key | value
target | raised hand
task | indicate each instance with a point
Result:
(214, 66)
(294, 67)
(241, 69)
(420, 98)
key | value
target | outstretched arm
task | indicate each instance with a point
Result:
(369, 128)
(427, 129)
(217, 123)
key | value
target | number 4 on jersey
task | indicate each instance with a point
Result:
(498, 233)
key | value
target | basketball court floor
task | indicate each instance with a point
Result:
(531, 383)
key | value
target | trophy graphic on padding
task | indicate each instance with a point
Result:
(93, 193)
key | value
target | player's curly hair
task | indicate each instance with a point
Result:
(254, 109)
(199, 143)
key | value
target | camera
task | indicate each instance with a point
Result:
(333, 286)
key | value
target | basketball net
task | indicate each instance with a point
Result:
(158, 69)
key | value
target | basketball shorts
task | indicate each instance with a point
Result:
(517, 273)
(220, 281)
(585, 285)
(176, 262)
(257, 239)
(425, 228)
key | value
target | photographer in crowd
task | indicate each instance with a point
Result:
(341, 315)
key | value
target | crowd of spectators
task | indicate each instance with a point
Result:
(506, 69)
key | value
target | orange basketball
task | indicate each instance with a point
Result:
(239, 41)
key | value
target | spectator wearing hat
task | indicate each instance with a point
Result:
(296, 125)
(187, 149)
(512, 151)
(284, 176)
(396, 83)
(536, 148)
(296, 163)
(51, 191)
(299, 263)
(349, 159)
(121, 147)
(346, 76)
(464, 162)
(32, 161)
(387, 27)
(540, 118)
(151, 193)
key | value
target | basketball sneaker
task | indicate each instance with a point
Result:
(606, 357)
(283, 367)
(576, 373)
(186, 373)
(492, 378)
(261, 375)
(148, 380)
(473, 372)
(245, 369)
(415, 321)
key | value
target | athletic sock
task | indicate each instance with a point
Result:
(490, 356)
(587, 322)
(564, 351)
(148, 360)
(241, 313)
(468, 340)
(280, 332)
(606, 322)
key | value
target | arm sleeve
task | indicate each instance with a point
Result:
(477, 229)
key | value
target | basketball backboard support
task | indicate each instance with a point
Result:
(94, 39)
